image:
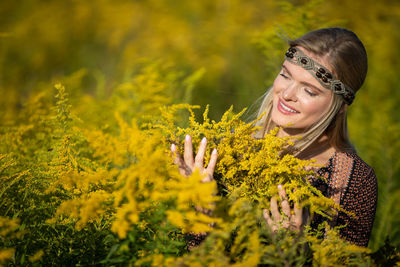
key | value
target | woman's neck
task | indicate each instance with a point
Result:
(320, 150)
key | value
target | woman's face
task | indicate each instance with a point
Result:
(299, 100)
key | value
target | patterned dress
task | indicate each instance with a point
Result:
(351, 183)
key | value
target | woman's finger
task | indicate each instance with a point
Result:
(209, 172)
(284, 201)
(188, 153)
(199, 160)
(269, 221)
(179, 161)
(212, 162)
(297, 218)
(175, 155)
(276, 215)
(267, 217)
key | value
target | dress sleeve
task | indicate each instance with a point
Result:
(360, 198)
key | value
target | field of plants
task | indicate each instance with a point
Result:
(93, 93)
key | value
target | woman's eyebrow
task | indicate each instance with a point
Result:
(302, 82)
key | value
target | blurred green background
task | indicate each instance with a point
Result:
(233, 47)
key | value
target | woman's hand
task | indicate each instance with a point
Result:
(187, 165)
(288, 220)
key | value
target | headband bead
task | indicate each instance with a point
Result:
(322, 74)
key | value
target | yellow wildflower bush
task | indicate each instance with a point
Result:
(331, 250)
(39, 150)
(119, 193)
(115, 180)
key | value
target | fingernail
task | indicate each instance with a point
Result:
(204, 140)
(279, 186)
(173, 148)
(214, 151)
(187, 138)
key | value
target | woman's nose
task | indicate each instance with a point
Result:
(290, 93)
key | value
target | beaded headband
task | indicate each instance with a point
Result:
(323, 76)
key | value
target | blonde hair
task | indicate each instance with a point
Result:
(347, 57)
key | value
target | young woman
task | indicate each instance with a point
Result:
(320, 76)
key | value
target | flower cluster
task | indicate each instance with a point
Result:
(253, 166)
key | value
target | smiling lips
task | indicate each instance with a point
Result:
(285, 109)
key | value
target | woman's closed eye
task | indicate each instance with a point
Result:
(284, 75)
(310, 92)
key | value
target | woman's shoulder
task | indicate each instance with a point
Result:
(350, 182)
(353, 165)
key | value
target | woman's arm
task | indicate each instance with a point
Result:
(360, 198)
